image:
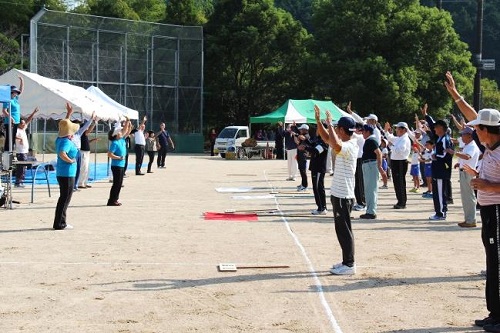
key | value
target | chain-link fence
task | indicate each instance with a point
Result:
(154, 68)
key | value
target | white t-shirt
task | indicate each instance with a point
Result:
(360, 140)
(414, 158)
(139, 138)
(473, 151)
(343, 173)
(427, 156)
(22, 147)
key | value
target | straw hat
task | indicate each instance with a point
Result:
(66, 127)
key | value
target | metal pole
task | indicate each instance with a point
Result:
(478, 55)
(440, 4)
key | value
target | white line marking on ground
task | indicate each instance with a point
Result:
(319, 286)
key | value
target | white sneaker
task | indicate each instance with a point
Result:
(335, 266)
(383, 187)
(68, 227)
(319, 212)
(301, 189)
(291, 178)
(359, 207)
(343, 270)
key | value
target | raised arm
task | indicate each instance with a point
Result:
(94, 120)
(467, 110)
(334, 140)
(69, 110)
(127, 128)
(21, 84)
(457, 123)
(30, 117)
(321, 130)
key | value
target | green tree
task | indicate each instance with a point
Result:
(464, 20)
(490, 94)
(112, 8)
(16, 23)
(184, 12)
(254, 58)
(300, 9)
(149, 10)
(388, 57)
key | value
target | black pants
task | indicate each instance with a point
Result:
(66, 185)
(439, 196)
(359, 186)
(212, 146)
(78, 166)
(7, 138)
(399, 170)
(422, 173)
(126, 164)
(139, 157)
(303, 176)
(162, 154)
(490, 217)
(318, 181)
(342, 217)
(280, 153)
(114, 193)
(151, 155)
(20, 169)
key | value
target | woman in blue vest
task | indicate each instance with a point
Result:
(66, 170)
(117, 153)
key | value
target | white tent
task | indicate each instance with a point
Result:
(130, 113)
(51, 96)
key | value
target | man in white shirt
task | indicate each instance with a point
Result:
(468, 156)
(342, 188)
(22, 148)
(401, 147)
(139, 147)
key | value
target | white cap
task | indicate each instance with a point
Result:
(487, 117)
(304, 127)
(402, 124)
(371, 116)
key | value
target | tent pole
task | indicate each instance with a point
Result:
(95, 154)
(44, 139)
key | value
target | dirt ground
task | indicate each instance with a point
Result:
(151, 264)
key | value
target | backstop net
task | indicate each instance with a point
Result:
(154, 68)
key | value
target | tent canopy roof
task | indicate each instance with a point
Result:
(300, 111)
(51, 96)
(130, 113)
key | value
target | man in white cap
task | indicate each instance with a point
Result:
(487, 129)
(469, 156)
(401, 148)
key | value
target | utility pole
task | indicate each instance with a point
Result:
(440, 4)
(478, 57)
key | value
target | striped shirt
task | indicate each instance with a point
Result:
(490, 170)
(345, 167)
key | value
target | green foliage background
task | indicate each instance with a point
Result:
(386, 56)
